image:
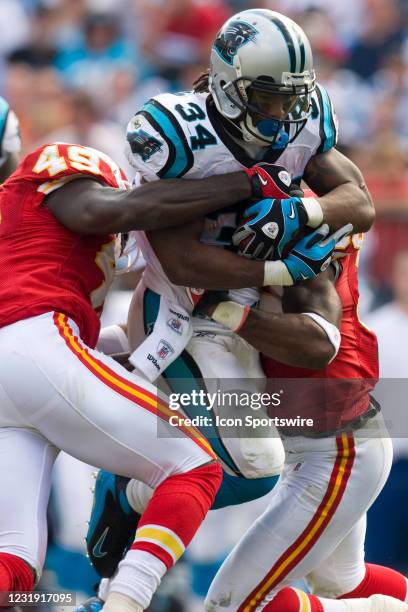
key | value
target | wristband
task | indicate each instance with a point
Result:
(314, 212)
(170, 335)
(276, 273)
(332, 332)
(231, 314)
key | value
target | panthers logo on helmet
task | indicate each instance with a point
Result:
(232, 37)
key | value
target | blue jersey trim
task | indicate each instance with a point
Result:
(183, 158)
(329, 135)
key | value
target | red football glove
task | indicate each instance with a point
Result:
(270, 181)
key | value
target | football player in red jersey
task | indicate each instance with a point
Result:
(314, 527)
(57, 243)
(315, 524)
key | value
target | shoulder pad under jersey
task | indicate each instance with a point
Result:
(171, 135)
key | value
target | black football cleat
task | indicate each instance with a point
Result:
(112, 525)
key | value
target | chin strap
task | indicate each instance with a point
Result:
(251, 133)
(282, 141)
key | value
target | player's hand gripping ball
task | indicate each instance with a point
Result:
(271, 181)
(313, 253)
(269, 226)
(272, 222)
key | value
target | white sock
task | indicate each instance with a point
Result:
(103, 589)
(138, 576)
(117, 602)
(138, 494)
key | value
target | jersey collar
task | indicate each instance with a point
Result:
(270, 155)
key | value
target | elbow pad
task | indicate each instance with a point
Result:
(332, 332)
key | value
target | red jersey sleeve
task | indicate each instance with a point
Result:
(44, 266)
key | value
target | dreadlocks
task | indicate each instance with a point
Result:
(200, 85)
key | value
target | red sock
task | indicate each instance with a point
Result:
(175, 512)
(381, 580)
(292, 600)
(15, 574)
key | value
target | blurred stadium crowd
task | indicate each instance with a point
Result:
(77, 70)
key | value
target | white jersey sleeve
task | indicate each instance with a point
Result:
(164, 134)
(147, 150)
(173, 137)
(10, 141)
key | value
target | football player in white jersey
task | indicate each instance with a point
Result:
(10, 142)
(260, 102)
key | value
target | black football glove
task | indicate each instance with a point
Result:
(275, 224)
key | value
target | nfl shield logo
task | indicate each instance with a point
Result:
(164, 349)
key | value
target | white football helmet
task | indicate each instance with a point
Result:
(261, 76)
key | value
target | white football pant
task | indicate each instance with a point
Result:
(56, 393)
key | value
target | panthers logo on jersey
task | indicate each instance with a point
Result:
(230, 39)
(143, 144)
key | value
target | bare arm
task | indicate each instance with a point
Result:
(191, 263)
(294, 338)
(86, 206)
(343, 194)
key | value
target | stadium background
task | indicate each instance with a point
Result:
(77, 70)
